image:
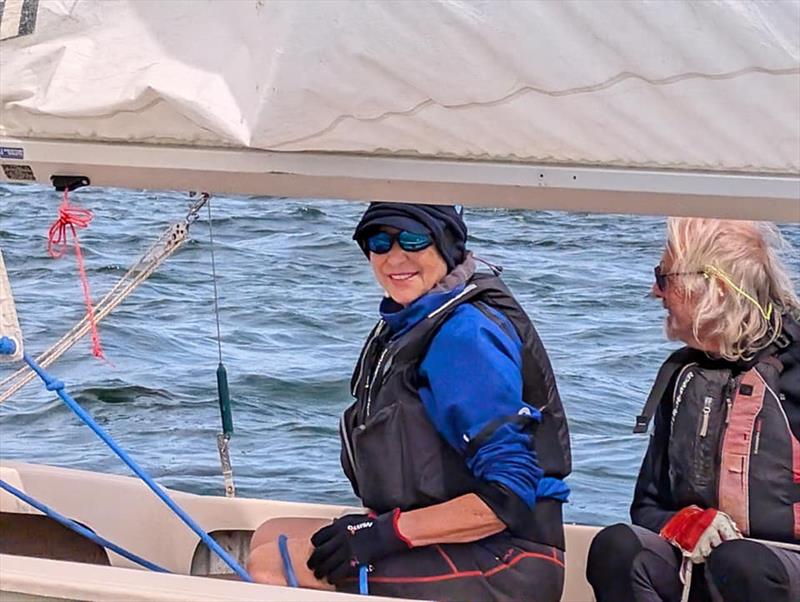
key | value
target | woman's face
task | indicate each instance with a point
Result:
(406, 275)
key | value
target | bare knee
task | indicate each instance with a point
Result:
(267, 532)
(266, 565)
(270, 530)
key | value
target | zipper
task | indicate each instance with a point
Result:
(346, 439)
(468, 289)
(375, 334)
(706, 413)
(757, 442)
(375, 375)
(730, 393)
(779, 399)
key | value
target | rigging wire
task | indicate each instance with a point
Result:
(223, 392)
(214, 279)
(167, 244)
(170, 241)
(57, 386)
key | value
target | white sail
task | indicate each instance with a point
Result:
(677, 85)
(9, 323)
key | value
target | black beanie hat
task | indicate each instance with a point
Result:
(444, 223)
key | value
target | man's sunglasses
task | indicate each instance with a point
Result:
(382, 242)
(662, 277)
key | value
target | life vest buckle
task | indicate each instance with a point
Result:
(782, 341)
(641, 424)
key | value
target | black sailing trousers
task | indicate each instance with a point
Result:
(630, 563)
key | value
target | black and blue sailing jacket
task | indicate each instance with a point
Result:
(454, 394)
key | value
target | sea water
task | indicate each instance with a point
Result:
(296, 301)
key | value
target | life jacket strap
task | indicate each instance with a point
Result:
(675, 362)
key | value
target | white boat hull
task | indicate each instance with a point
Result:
(124, 511)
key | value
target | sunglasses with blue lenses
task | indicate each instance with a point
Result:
(382, 242)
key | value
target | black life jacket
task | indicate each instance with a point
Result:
(731, 446)
(393, 454)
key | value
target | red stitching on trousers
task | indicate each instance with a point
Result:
(463, 574)
(446, 557)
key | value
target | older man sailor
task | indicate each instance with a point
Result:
(457, 441)
(724, 458)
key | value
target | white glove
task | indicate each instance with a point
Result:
(722, 528)
(696, 531)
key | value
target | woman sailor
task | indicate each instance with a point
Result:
(724, 458)
(457, 441)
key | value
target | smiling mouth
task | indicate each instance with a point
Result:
(402, 277)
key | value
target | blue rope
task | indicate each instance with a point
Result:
(291, 578)
(53, 384)
(288, 569)
(78, 528)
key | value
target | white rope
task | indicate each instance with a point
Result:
(169, 242)
(686, 577)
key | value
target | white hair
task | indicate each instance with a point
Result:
(746, 288)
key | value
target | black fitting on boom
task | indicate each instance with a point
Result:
(62, 183)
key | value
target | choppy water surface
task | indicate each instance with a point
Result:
(296, 301)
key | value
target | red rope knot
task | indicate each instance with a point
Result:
(71, 217)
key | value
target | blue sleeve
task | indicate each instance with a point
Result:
(471, 376)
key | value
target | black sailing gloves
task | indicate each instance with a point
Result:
(352, 540)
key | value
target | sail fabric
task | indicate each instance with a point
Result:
(683, 85)
(9, 323)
